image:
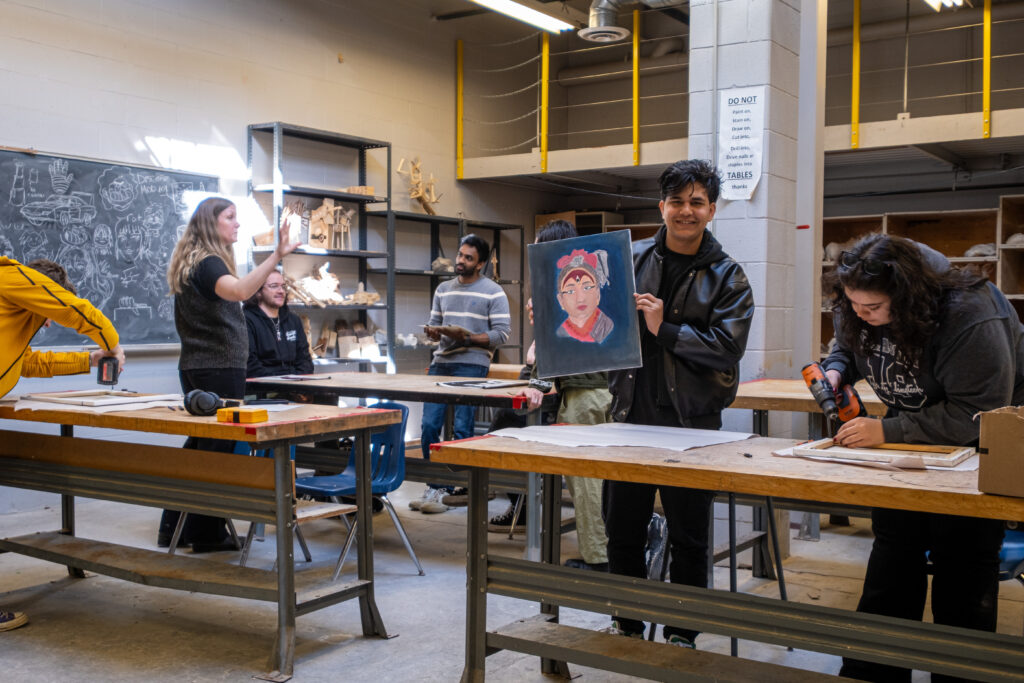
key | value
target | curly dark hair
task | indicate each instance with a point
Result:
(896, 267)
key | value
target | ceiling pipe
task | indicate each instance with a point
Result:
(601, 28)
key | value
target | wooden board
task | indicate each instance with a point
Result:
(793, 395)
(727, 467)
(153, 461)
(303, 420)
(901, 455)
(397, 387)
(99, 397)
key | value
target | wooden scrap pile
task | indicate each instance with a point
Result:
(361, 297)
(319, 289)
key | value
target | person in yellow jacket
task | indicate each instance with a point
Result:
(30, 297)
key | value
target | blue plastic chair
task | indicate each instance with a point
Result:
(257, 528)
(387, 465)
(1011, 556)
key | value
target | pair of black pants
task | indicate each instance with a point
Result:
(628, 508)
(226, 383)
(964, 553)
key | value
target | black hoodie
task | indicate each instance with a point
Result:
(974, 362)
(703, 335)
(269, 356)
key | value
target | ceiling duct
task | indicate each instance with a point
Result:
(603, 14)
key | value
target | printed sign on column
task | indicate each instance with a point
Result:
(740, 140)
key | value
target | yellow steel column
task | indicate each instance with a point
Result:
(545, 65)
(986, 74)
(459, 110)
(636, 87)
(855, 89)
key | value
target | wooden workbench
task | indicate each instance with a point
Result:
(745, 467)
(220, 484)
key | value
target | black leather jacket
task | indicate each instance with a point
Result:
(709, 319)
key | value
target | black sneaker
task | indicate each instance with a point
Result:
(580, 563)
(457, 497)
(502, 524)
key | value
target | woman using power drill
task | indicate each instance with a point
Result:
(937, 345)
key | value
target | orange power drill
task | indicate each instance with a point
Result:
(843, 406)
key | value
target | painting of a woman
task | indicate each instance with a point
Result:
(581, 275)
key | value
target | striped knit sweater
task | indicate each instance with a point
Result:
(480, 306)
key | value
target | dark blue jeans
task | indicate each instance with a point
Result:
(433, 413)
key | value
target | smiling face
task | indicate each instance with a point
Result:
(871, 307)
(579, 297)
(272, 293)
(686, 213)
(227, 225)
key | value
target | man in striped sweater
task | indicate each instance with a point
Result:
(470, 317)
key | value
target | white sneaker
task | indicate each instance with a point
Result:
(432, 502)
(417, 503)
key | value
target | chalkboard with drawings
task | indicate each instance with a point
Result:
(112, 227)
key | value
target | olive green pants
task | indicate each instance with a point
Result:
(588, 407)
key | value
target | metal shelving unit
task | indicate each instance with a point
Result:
(464, 226)
(279, 189)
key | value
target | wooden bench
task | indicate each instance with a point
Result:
(637, 657)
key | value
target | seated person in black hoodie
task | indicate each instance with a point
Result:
(277, 342)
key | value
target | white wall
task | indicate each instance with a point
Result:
(175, 85)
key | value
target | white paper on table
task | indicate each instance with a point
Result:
(24, 404)
(278, 407)
(969, 465)
(622, 434)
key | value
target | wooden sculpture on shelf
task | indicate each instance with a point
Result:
(321, 222)
(424, 193)
(341, 228)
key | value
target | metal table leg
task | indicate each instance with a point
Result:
(532, 505)
(67, 511)
(551, 552)
(284, 647)
(373, 625)
(476, 578)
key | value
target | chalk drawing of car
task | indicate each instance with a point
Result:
(64, 210)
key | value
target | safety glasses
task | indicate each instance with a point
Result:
(870, 266)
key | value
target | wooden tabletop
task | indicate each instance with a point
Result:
(302, 420)
(727, 467)
(399, 387)
(794, 396)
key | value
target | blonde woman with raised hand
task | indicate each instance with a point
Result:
(214, 341)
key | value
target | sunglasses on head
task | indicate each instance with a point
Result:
(870, 266)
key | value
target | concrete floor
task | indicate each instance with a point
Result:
(104, 629)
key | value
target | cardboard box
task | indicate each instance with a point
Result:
(1002, 452)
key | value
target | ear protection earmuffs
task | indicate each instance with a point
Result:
(205, 403)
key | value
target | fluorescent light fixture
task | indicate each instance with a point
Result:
(526, 14)
(934, 4)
